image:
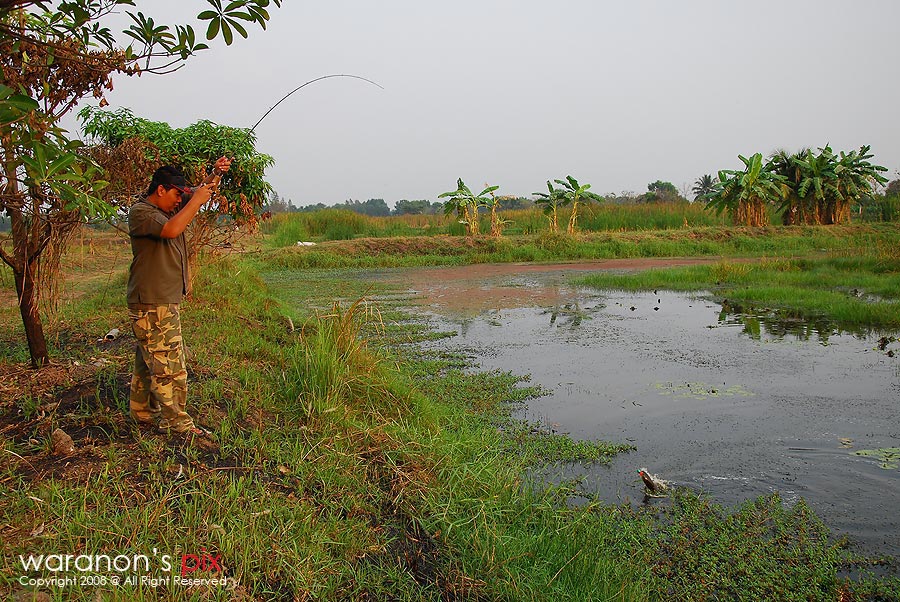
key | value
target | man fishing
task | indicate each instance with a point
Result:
(157, 283)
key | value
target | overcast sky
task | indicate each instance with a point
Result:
(617, 94)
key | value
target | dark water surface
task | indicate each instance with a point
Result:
(730, 404)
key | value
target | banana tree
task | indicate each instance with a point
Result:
(856, 177)
(497, 222)
(551, 202)
(465, 204)
(794, 208)
(819, 183)
(745, 194)
(574, 193)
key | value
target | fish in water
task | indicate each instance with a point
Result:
(653, 483)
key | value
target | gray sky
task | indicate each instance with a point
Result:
(617, 94)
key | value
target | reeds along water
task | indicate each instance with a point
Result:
(334, 368)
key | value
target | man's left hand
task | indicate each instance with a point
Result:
(223, 164)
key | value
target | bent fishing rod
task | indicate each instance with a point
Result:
(300, 87)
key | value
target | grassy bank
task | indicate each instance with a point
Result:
(857, 289)
(285, 229)
(349, 464)
(692, 242)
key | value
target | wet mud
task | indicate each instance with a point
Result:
(719, 399)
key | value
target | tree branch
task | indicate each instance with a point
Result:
(7, 259)
(8, 5)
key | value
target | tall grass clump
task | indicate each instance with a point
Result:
(334, 367)
(647, 216)
(286, 229)
(880, 209)
(413, 225)
(619, 217)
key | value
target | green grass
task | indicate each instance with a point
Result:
(352, 465)
(858, 292)
(286, 229)
(547, 247)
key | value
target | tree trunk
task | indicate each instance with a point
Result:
(31, 317)
(24, 263)
(841, 212)
(496, 229)
(470, 224)
(474, 226)
(751, 213)
(787, 218)
(573, 218)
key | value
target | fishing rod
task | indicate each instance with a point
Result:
(300, 87)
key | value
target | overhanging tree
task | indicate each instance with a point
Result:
(52, 55)
(131, 148)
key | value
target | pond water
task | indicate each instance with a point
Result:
(726, 403)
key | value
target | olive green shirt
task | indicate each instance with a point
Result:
(159, 269)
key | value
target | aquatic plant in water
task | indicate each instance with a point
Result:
(888, 457)
(700, 390)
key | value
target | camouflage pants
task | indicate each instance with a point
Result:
(159, 383)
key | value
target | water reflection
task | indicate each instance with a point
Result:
(780, 324)
(570, 314)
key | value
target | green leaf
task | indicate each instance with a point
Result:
(240, 28)
(261, 14)
(227, 35)
(19, 102)
(207, 15)
(213, 30)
